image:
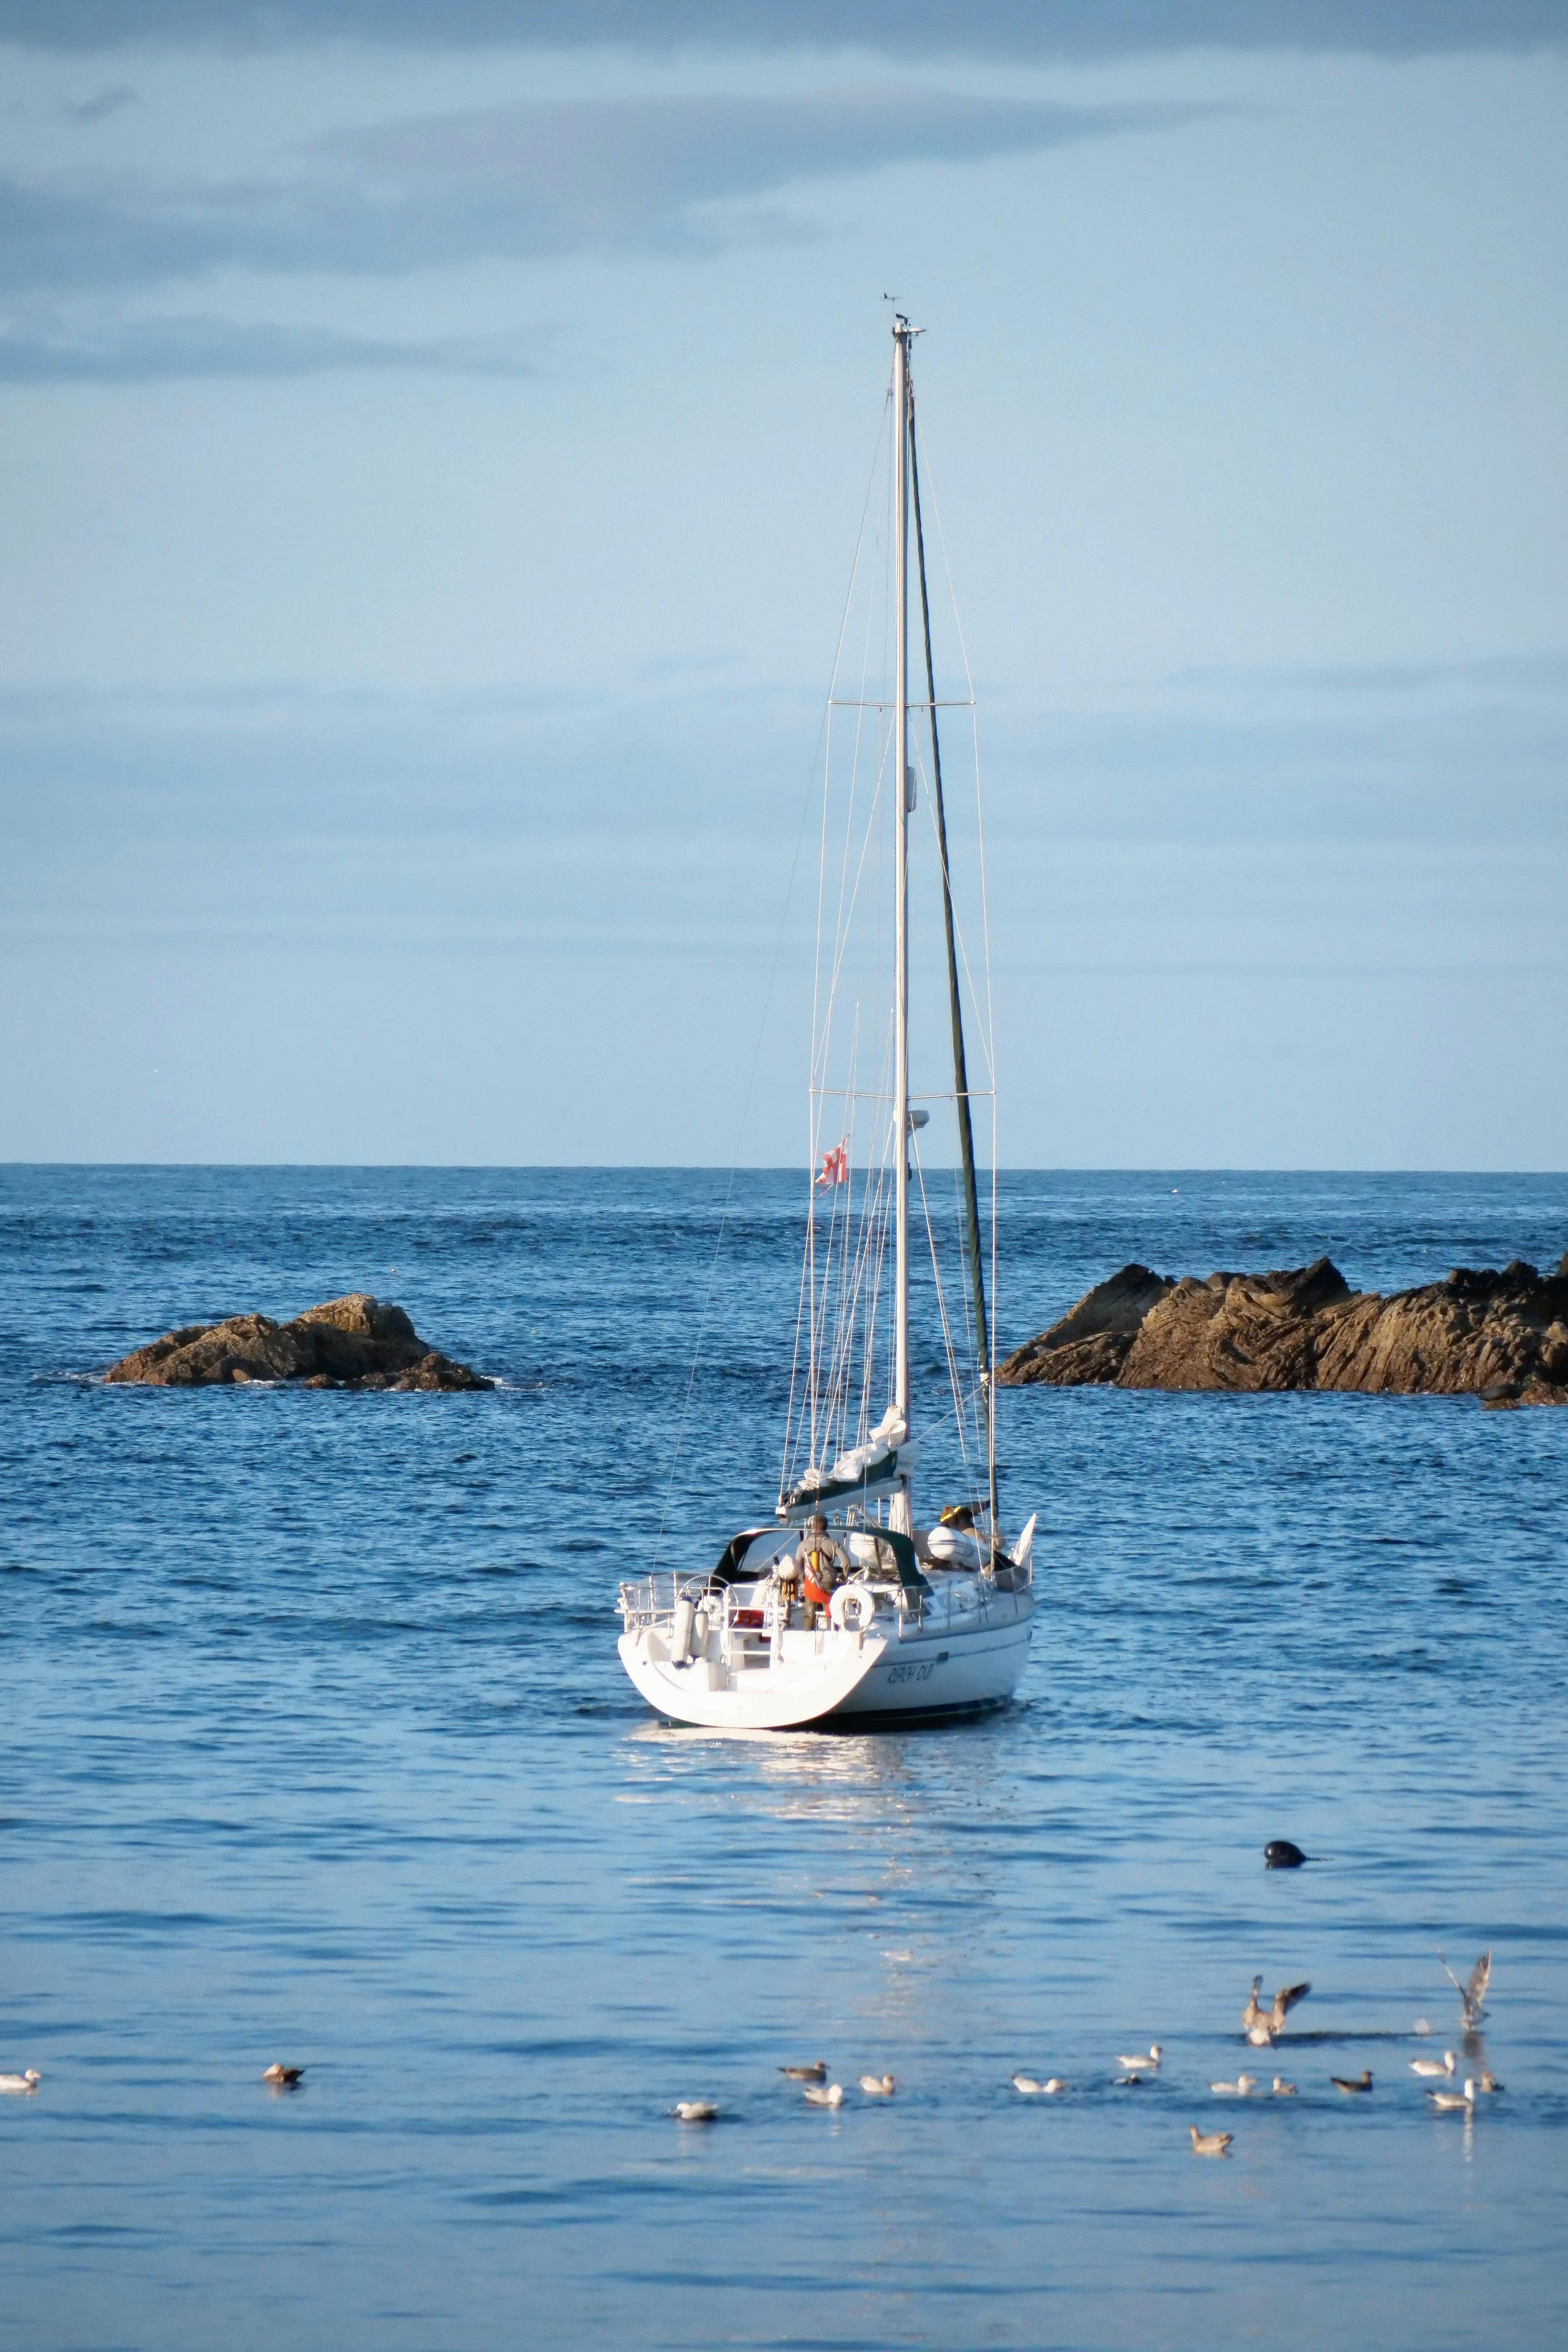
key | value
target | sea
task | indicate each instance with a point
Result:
(315, 1747)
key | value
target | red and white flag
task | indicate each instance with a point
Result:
(836, 1165)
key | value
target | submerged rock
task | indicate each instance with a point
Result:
(357, 1342)
(1502, 1337)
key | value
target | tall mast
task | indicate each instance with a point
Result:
(973, 1249)
(901, 341)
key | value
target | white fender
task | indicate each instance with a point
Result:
(856, 1597)
(1024, 1545)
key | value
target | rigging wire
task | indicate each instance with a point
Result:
(818, 752)
(990, 1030)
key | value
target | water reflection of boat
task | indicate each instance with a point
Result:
(846, 1609)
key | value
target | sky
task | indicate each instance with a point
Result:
(433, 441)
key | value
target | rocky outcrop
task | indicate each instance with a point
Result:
(357, 1342)
(1501, 1336)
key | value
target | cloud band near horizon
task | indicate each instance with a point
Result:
(1040, 31)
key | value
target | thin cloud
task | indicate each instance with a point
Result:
(1033, 30)
(106, 102)
(523, 182)
(158, 351)
(1244, 761)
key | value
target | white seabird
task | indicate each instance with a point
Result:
(1208, 2143)
(1151, 2064)
(879, 2086)
(833, 2097)
(1444, 2065)
(21, 2085)
(1263, 2026)
(1472, 1996)
(695, 2111)
(1444, 2099)
(1241, 2088)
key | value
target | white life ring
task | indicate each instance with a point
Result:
(859, 1598)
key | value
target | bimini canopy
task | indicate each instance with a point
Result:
(731, 1568)
(895, 1556)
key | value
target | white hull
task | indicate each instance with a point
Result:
(950, 1661)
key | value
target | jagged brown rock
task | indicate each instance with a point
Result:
(1502, 1337)
(357, 1342)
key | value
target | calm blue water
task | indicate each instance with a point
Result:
(315, 1746)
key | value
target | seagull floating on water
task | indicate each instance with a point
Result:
(816, 2073)
(1472, 1996)
(282, 2078)
(879, 2086)
(695, 2111)
(1241, 2088)
(21, 2085)
(1209, 2143)
(1487, 2082)
(1340, 2083)
(1027, 2085)
(1263, 2026)
(833, 2097)
(1445, 2099)
(1151, 2064)
(1283, 2090)
(1444, 2065)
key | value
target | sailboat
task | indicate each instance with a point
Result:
(846, 1607)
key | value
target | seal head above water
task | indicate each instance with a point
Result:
(1280, 1854)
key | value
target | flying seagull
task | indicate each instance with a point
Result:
(1472, 1996)
(1263, 2026)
